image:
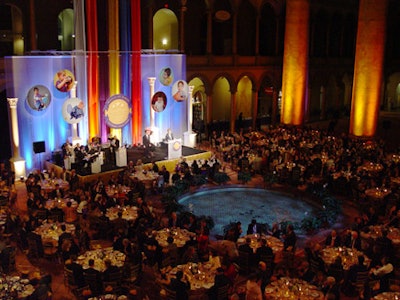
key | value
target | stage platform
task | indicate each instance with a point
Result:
(133, 154)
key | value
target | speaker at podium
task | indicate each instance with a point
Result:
(174, 148)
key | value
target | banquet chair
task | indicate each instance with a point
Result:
(169, 261)
(170, 294)
(269, 261)
(361, 280)
(69, 280)
(222, 292)
(82, 293)
(50, 251)
(113, 287)
(116, 276)
(337, 273)
(132, 273)
(244, 262)
(41, 214)
(3, 201)
(8, 259)
(35, 245)
(56, 215)
(394, 285)
(95, 285)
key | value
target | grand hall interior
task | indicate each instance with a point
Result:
(174, 149)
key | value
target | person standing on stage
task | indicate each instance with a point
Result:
(169, 136)
(148, 145)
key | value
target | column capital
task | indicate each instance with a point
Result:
(12, 102)
(151, 80)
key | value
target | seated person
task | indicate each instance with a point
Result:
(383, 272)
(220, 280)
(110, 269)
(180, 285)
(333, 240)
(77, 270)
(57, 192)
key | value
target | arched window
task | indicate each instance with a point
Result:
(11, 29)
(165, 30)
(66, 34)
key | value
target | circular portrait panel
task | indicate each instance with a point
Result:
(117, 111)
(64, 80)
(180, 91)
(73, 110)
(159, 101)
(39, 97)
(166, 76)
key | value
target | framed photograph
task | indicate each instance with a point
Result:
(180, 91)
(64, 80)
(166, 77)
(39, 97)
(73, 110)
(159, 101)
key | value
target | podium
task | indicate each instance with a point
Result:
(97, 163)
(120, 157)
(95, 166)
(67, 163)
(174, 148)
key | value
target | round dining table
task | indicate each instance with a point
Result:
(49, 185)
(181, 236)
(200, 275)
(378, 193)
(375, 232)
(292, 288)
(117, 258)
(349, 256)
(388, 296)
(15, 287)
(50, 232)
(60, 203)
(275, 243)
(121, 190)
(129, 213)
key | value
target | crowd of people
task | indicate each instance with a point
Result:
(302, 158)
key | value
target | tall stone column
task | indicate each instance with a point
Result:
(368, 67)
(295, 61)
(274, 114)
(155, 136)
(151, 81)
(233, 111)
(255, 107)
(190, 110)
(189, 137)
(17, 162)
(75, 139)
